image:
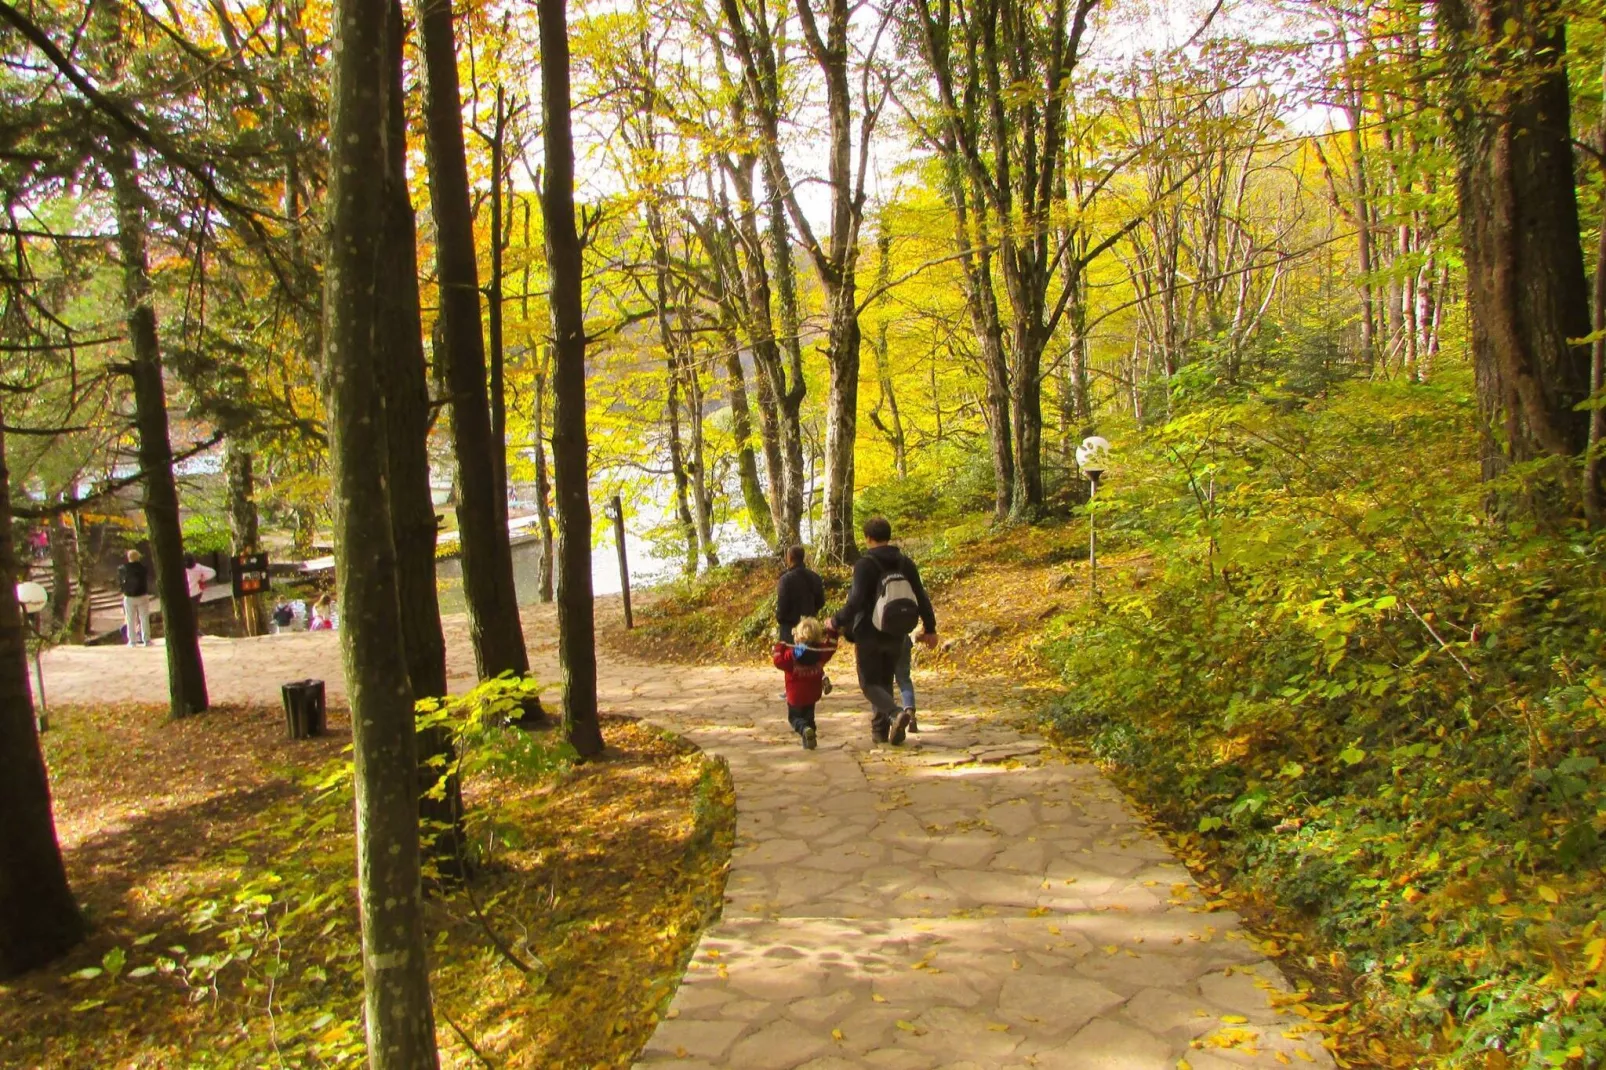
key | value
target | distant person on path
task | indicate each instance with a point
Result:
(323, 615)
(134, 581)
(884, 604)
(803, 662)
(197, 576)
(800, 593)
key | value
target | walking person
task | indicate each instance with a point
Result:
(803, 663)
(134, 581)
(884, 604)
(197, 576)
(799, 593)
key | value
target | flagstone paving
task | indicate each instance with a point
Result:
(964, 902)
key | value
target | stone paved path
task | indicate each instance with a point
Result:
(964, 902)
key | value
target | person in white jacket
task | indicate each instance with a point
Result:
(197, 576)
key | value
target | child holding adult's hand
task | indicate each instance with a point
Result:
(803, 662)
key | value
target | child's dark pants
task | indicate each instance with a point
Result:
(800, 717)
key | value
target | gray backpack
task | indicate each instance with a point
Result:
(896, 610)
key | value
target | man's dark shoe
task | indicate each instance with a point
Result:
(900, 728)
(810, 739)
(878, 733)
(914, 722)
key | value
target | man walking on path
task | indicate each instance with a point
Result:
(800, 593)
(134, 581)
(884, 603)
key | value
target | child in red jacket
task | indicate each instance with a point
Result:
(803, 662)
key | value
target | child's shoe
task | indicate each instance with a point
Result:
(914, 723)
(826, 686)
(811, 739)
(899, 729)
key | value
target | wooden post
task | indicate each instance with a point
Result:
(616, 511)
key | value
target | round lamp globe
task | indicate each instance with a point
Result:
(32, 596)
(1093, 456)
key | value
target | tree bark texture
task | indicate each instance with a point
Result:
(400, 1018)
(1526, 287)
(543, 484)
(753, 497)
(61, 570)
(404, 383)
(577, 651)
(186, 679)
(493, 610)
(493, 302)
(702, 495)
(39, 920)
(777, 368)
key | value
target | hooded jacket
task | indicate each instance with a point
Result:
(853, 619)
(804, 667)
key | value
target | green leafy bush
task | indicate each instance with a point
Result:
(1382, 707)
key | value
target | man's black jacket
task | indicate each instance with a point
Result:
(801, 593)
(874, 563)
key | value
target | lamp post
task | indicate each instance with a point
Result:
(614, 511)
(1092, 457)
(33, 598)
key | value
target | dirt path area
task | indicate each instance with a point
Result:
(965, 901)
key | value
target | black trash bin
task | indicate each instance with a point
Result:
(303, 708)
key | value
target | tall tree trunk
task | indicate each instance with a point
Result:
(981, 302)
(237, 465)
(404, 380)
(769, 370)
(758, 506)
(543, 485)
(841, 427)
(577, 651)
(1594, 508)
(893, 431)
(186, 680)
(1526, 287)
(677, 466)
(400, 1019)
(790, 399)
(61, 561)
(701, 494)
(1026, 398)
(86, 548)
(493, 610)
(38, 919)
(493, 303)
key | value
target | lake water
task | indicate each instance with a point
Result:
(645, 568)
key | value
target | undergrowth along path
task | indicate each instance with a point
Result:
(966, 901)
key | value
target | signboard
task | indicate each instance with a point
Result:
(250, 574)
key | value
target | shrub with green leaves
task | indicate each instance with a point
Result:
(1379, 702)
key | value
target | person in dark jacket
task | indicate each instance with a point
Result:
(878, 652)
(800, 593)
